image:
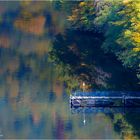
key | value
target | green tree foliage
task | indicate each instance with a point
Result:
(123, 32)
(83, 15)
(120, 23)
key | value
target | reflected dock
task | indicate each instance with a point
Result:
(105, 110)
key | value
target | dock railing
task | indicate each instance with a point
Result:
(122, 98)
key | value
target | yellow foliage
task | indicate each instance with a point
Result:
(127, 33)
(130, 136)
(136, 49)
(71, 18)
(82, 4)
(136, 37)
(126, 1)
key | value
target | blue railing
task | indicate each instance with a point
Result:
(106, 93)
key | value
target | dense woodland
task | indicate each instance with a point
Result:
(114, 27)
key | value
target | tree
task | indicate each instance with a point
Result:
(119, 21)
(83, 16)
(123, 32)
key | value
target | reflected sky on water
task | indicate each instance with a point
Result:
(34, 102)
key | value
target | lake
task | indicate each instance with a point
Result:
(35, 89)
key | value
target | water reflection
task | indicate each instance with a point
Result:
(119, 117)
(34, 102)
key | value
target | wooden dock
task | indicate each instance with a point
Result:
(105, 99)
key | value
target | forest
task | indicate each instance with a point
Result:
(114, 28)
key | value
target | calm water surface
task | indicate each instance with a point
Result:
(34, 102)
